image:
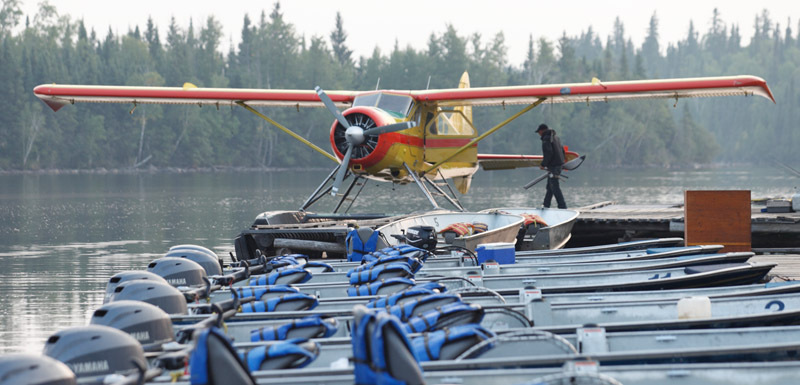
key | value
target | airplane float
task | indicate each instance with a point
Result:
(420, 136)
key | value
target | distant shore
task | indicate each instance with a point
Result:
(189, 170)
(154, 170)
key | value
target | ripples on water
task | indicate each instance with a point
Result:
(62, 237)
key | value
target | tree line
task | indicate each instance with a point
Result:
(52, 48)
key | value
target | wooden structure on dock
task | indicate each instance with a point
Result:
(609, 222)
(717, 217)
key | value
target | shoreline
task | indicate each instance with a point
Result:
(212, 169)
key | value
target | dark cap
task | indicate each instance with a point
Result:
(542, 127)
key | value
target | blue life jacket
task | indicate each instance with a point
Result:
(358, 247)
(449, 343)
(377, 340)
(294, 353)
(289, 302)
(308, 327)
(283, 260)
(260, 291)
(318, 267)
(407, 250)
(457, 313)
(383, 287)
(420, 289)
(420, 305)
(283, 276)
(213, 346)
(391, 300)
(378, 272)
(413, 263)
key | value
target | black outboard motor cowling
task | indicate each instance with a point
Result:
(162, 295)
(30, 369)
(423, 237)
(130, 275)
(96, 351)
(210, 263)
(178, 271)
(148, 324)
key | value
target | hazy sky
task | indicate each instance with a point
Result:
(371, 23)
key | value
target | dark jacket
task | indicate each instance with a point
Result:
(552, 150)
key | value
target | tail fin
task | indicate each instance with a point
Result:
(457, 119)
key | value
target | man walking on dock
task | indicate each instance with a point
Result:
(552, 161)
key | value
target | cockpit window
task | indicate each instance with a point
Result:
(398, 105)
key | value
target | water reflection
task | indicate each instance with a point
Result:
(63, 236)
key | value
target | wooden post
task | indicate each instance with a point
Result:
(718, 218)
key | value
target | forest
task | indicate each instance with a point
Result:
(51, 48)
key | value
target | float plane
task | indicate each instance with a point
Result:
(421, 136)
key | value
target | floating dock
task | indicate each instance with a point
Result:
(610, 222)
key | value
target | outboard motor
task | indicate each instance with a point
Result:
(178, 271)
(131, 275)
(146, 323)
(96, 351)
(164, 296)
(29, 369)
(194, 247)
(207, 261)
(423, 237)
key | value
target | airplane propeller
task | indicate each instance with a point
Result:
(355, 135)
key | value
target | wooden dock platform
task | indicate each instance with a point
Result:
(788, 265)
(610, 222)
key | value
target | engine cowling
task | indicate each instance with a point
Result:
(368, 152)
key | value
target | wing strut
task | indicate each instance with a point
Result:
(485, 134)
(288, 131)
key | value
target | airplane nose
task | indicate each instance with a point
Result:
(354, 135)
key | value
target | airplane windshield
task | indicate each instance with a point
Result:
(398, 105)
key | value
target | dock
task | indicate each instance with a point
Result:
(611, 222)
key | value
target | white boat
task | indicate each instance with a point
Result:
(502, 227)
(554, 235)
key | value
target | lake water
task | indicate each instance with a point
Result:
(63, 236)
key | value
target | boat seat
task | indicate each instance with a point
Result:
(706, 268)
(215, 362)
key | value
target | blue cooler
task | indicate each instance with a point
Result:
(500, 252)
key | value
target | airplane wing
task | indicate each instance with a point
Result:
(57, 96)
(598, 91)
(491, 162)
